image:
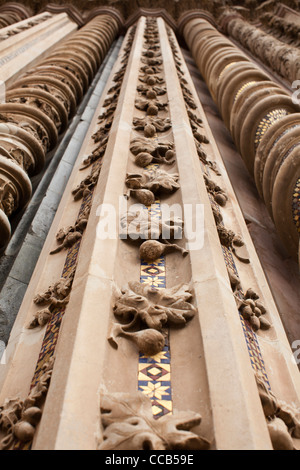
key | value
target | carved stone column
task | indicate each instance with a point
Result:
(283, 59)
(172, 325)
(263, 121)
(40, 104)
(281, 28)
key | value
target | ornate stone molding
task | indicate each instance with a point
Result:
(253, 108)
(39, 105)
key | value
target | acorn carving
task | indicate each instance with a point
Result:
(149, 130)
(253, 311)
(144, 158)
(151, 80)
(69, 241)
(24, 430)
(279, 434)
(152, 110)
(144, 196)
(151, 250)
(151, 94)
(149, 342)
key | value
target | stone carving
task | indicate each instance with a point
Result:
(277, 55)
(55, 296)
(151, 250)
(150, 125)
(86, 185)
(230, 240)
(151, 70)
(151, 79)
(18, 418)
(253, 310)
(194, 120)
(150, 106)
(283, 420)
(129, 425)
(152, 92)
(140, 225)
(69, 236)
(39, 104)
(146, 152)
(234, 280)
(218, 193)
(144, 312)
(157, 181)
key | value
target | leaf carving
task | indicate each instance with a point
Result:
(129, 425)
(156, 308)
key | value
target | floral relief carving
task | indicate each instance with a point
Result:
(128, 424)
(19, 418)
(157, 181)
(146, 151)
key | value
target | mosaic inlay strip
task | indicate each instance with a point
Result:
(296, 205)
(246, 85)
(154, 372)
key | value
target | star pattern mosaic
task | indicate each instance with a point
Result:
(154, 380)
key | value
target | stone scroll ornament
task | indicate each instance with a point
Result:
(128, 424)
(143, 313)
(19, 418)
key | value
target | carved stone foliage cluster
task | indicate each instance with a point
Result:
(262, 117)
(281, 28)
(151, 144)
(283, 419)
(253, 310)
(56, 295)
(13, 30)
(143, 313)
(9, 17)
(39, 106)
(19, 418)
(129, 425)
